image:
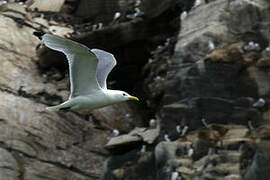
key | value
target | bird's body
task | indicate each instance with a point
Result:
(88, 74)
(88, 102)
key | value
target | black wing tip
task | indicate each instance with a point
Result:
(65, 109)
(38, 34)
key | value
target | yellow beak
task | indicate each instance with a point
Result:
(133, 98)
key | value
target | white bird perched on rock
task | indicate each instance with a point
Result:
(88, 71)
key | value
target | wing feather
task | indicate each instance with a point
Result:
(82, 64)
(106, 63)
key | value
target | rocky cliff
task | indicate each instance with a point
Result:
(201, 69)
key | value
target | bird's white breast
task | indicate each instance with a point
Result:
(97, 100)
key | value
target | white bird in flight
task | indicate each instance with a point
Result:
(88, 71)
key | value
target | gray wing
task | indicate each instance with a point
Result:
(106, 62)
(82, 64)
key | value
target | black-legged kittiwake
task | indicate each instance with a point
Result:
(88, 71)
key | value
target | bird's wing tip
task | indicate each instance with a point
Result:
(38, 34)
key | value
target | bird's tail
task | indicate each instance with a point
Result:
(63, 106)
(53, 108)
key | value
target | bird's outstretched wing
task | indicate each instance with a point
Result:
(82, 64)
(106, 62)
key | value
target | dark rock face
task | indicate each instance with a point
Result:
(212, 84)
(103, 11)
(212, 78)
(132, 165)
(259, 169)
(166, 158)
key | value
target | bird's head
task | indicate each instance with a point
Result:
(122, 96)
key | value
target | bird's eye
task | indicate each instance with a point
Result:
(124, 94)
